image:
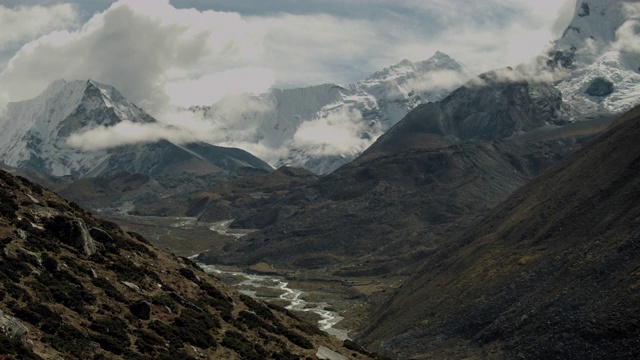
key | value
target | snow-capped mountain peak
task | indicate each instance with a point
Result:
(34, 131)
(355, 114)
(600, 47)
(595, 27)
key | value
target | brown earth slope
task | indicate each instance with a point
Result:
(552, 272)
(77, 287)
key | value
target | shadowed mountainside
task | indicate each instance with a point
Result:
(552, 272)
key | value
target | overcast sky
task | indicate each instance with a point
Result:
(195, 51)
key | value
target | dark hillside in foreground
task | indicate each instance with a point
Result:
(552, 272)
(77, 287)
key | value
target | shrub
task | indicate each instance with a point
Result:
(217, 300)
(15, 349)
(147, 341)
(64, 289)
(112, 335)
(69, 340)
(238, 343)
(109, 289)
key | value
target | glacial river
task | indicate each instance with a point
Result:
(328, 318)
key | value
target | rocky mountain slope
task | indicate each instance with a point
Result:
(364, 110)
(75, 286)
(552, 272)
(35, 133)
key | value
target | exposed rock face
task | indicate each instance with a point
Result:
(12, 327)
(78, 236)
(600, 87)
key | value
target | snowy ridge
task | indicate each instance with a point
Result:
(600, 49)
(609, 66)
(34, 131)
(593, 27)
(357, 113)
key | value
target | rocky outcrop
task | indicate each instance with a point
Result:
(12, 327)
(600, 87)
(79, 237)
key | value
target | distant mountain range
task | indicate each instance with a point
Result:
(355, 113)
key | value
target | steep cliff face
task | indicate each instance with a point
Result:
(75, 286)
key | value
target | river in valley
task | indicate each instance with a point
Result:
(272, 288)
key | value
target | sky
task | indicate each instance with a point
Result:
(194, 52)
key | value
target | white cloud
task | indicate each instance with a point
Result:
(155, 54)
(25, 23)
(208, 89)
(628, 37)
(139, 47)
(339, 132)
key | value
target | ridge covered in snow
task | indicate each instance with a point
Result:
(322, 127)
(34, 131)
(600, 48)
(34, 135)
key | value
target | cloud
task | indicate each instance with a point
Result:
(208, 89)
(159, 56)
(337, 133)
(123, 133)
(22, 23)
(233, 121)
(139, 47)
(628, 35)
(437, 80)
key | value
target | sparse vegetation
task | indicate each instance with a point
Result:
(77, 307)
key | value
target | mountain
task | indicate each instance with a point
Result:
(35, 133)
(552, 272)
(78, 287)
(488, 108)
(297, 122)
(599, 50)
(430, 175)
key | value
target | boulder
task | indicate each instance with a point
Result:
(12, 327)
(77, 235)
(600, 87)
(141, 310)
